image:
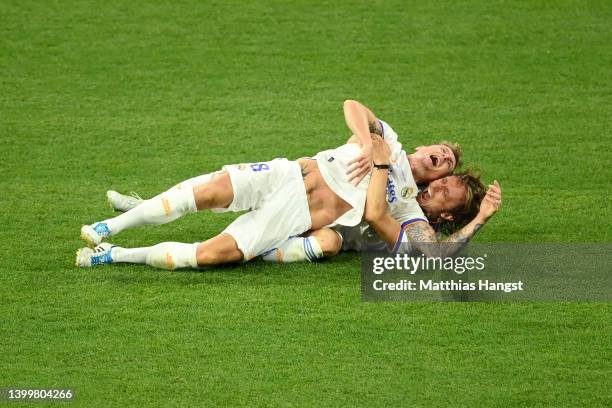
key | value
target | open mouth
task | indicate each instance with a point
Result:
(434, 160)
(424, 195)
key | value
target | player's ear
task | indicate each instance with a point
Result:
(447, 216)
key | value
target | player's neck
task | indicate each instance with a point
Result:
(417, 171)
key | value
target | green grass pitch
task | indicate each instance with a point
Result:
(140, 95)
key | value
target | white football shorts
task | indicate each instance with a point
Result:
(274, 194)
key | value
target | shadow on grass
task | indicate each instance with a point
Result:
(257, 273)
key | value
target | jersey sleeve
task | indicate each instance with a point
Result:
(403, 244)
(408, 213)
(388, 133)
(392, 140)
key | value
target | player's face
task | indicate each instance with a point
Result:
(441, 197)
(434, 161)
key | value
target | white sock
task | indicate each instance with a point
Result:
(160, 209)
(173, 255)
(130, 255)
(167, 255)
(297, 249)
(187, 184)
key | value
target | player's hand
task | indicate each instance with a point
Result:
(360, 165)
(491, 202)
(380, 150)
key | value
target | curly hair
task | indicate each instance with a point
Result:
(475, 192)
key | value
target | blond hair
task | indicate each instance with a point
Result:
(456, 149)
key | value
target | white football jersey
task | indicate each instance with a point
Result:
(401, 198)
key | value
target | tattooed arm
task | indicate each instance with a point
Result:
(375, 129)
(422, 235)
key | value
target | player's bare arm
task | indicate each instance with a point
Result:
(376, 211)
(360, 120)
(306, 166)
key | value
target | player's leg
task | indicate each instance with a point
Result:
(217, 193)
(248, 236)
(239, 187)
(319, 244)
(161, 209)
(124, 202)
(221, 249)
(168, 206)
(330, 241)
(166, 255)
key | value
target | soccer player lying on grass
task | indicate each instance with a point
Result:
(454, 206)
(285, 198)
(450, 203)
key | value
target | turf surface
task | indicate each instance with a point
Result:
(140, 95)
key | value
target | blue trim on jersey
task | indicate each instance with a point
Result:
(382, 128)
(398, 242)
(410, 221)
(399, 239)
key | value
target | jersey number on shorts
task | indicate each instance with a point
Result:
(259, 166)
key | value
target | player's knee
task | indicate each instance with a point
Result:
(217, 251)
(207, 258)
(218, 193)
(331, 245)
(329, 241)
(204, 196)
